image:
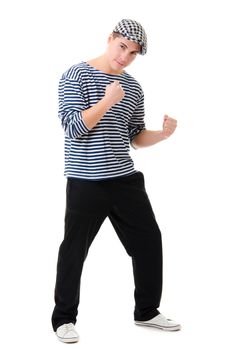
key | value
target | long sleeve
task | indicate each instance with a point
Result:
(136, 123)
(71, 103)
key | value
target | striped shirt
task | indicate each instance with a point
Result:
(103, 151)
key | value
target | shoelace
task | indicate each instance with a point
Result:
(67, 327)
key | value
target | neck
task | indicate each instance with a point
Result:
(101, 63)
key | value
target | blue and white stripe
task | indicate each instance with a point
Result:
(102, 152)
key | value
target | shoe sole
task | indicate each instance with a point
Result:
(171, 328)
(68, 340)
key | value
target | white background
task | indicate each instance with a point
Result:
(186, 74)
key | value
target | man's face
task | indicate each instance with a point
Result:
(121, 52)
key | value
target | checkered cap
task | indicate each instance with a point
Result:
(132, 30)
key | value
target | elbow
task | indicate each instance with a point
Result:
(136, 138)
(134, 145)
(75, 131)
(74, 125)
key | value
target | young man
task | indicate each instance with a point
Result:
(101, 108)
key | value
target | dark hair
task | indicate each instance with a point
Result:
(117, 35)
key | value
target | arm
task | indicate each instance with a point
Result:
(148, 138)
(113, 94)
(76, 118)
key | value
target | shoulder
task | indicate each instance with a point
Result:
(75, 72)
(133, 83)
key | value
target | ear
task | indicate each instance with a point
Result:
(110, 38)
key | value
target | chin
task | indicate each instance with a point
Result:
(117, 67)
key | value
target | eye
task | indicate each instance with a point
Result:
(122, 46)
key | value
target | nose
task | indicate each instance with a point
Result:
(124, 57)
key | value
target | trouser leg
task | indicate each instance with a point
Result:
(134, 221)
(86, 209)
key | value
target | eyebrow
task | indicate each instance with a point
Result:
(127, 47)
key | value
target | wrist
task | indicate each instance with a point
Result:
(106, 102)
(163, 135)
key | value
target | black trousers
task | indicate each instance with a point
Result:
(125, 202)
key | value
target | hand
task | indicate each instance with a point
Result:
(114, 93)
(169, 126)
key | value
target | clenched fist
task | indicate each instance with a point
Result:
(169, 126)
(114, 93)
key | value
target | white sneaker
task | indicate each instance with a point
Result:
(67, 333)
(160, 322)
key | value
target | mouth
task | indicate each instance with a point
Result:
(119, 63)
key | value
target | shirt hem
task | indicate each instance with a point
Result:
(100, 178)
